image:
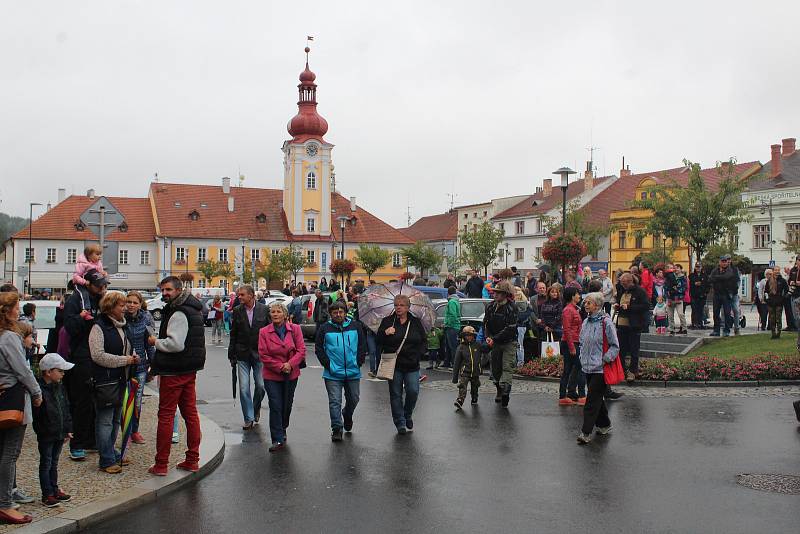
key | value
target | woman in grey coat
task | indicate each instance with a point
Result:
(596, 349)
(14, 369)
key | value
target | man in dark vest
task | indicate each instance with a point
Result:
(180, 353)
(248, 318)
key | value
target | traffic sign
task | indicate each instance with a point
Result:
(772, 263)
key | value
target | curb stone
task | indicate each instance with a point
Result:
(212, 452)
(680, 383)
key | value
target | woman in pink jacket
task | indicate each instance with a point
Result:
(282, 350)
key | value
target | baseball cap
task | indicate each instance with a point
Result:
(54, 361)
(95, 278)
(725, 257)
(468, 330)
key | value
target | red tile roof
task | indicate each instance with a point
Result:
(619, 194)
(442, 227)
(59, 222)
(545, 204)
(367, 228)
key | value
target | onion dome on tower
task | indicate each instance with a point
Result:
(307, 124)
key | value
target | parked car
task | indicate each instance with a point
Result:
(45, 320)
(307, 302)
(437, 292)
(154, 306)
(472, 311)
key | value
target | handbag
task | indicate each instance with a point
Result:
(612, 371)
(389, 359)
(550, 348)
(107, 394)
(12, 406)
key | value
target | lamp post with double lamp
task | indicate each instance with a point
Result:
(342, 223)
(507, 253)
(29, 255)
(244, 264)
(767, 207)
(564, 172)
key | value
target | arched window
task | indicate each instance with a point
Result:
(311, 180)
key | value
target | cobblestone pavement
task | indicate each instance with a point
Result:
(83, 480)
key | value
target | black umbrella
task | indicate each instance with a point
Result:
(233, 381)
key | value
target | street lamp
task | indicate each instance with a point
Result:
(244, 265)
(30, 244)
(507, 253)
(664, 247)
(767, 207)
(342, 222)
(564, 172)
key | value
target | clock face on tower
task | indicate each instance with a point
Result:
(311, 150)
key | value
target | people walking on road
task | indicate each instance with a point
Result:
(500, 329)
(632, 311)
(698, 290)
(402, 333)
(215, 315)
(775, 289)
(676, 292)
(80, 313)
(549, 322)
(180, 353)
(14, 373)
(452, 325)
(724, 279)
(341, 348)
(111, 352)
(139, 326)
(599, 345)
(282, 351)
(467, 367)
(572, 387)
(249, 317)
(53, 426)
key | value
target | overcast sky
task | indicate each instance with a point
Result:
(483, 99)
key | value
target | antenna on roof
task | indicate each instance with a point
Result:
(409, 214)
(590, 164)
(155, 177)
(452, 200)
(241, 178)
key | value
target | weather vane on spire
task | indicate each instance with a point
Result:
(309, 38)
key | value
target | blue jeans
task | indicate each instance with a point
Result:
(351, 393)
(251, 405)
(451, 344)
(372, 348)
(106, 427)
(49, 451)
(276, 390)
(403, 409)
(722, 302)
(520, 349)
(141, 377)
(572, 364)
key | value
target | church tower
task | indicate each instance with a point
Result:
(307, 165)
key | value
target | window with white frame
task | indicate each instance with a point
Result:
(502, 227)
(396, 260)
(311, 180)
(519, 254)
(123, 257)
(519, 227)
(51, 255)
(539, 252)
(144, 257)
(72, 255)
(276, 251)
(223, 255)
(310, 224)
(793, 233)
(180, 254)
(255, 255)
(761, 236)
(29, 255)
(201, 254)
(621, 238)
(323, 260)
(338, 254)
(311, 256)
(538, 225)
(201, 282)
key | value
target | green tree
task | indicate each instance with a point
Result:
(10, 225)
(695, 213)
(578, 225)
(271, 270)
(479, 246)
(226, 271)
(292, 260)
(209, 269)
(422, 256)
(371, 258)
(711, 259)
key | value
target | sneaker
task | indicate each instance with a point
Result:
(50, 501)
(18, 495)
(458, 404)
(581, 401)
(276, 446)
(137, 438)
(348, 422)
(735, 331)
(247, 426)
(112, 469)
(401, 430)
(257, 417)
(157, 470)
(124, 461)
(176, 437)
(336, 434)
(371, 374)
(603, 430)
(409, 425)
(186, 465)
(566, 401)
(474, 401)
(63, 497)
(726, 334)
(614, 395)
(713, 334)
(583, 439)
(77, 455)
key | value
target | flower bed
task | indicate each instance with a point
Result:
(701, 368)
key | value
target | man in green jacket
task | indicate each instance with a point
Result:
(452, 325)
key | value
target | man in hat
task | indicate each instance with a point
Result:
(500, 329)
(724, 279)
(80, 312)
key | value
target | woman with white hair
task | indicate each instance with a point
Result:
(599, 345)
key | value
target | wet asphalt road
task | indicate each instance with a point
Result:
(669, 466)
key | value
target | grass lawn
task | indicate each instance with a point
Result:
(746, 346)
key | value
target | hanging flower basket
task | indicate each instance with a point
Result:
(343, 267)
(564, 249)
(407, 276)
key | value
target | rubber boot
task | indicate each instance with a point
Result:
(506, 395)
(499, 396)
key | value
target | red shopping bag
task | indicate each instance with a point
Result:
(612, 372)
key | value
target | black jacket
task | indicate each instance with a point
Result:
(77, 327)
(51, 420)
(243, 346)
(776, 298)
(794, 291)
(474, 287)
(500, 322)
(415, 346)
(468, 360)
(726, 281)
(193, 356)
(638, 307)
(320, 313)
(698, 291)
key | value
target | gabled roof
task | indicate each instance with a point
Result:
(60, 221)
(789, 176)
(442, 227)
(367, 228)
(619, 194)
(544, 204)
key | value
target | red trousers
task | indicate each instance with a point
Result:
(177, 392)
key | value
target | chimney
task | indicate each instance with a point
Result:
(588, 177)
(230, 204)
(352, 203)
(625, 172)
(90, 193)
(538, 189)
(226, 187)
(49, 206)
(776, 161)
(547, 186)
(62, 194)
(788, 146)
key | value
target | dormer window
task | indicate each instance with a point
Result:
(261, 218)
(177, 204)
(194, 215)
(123, 227)
(79, 226)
